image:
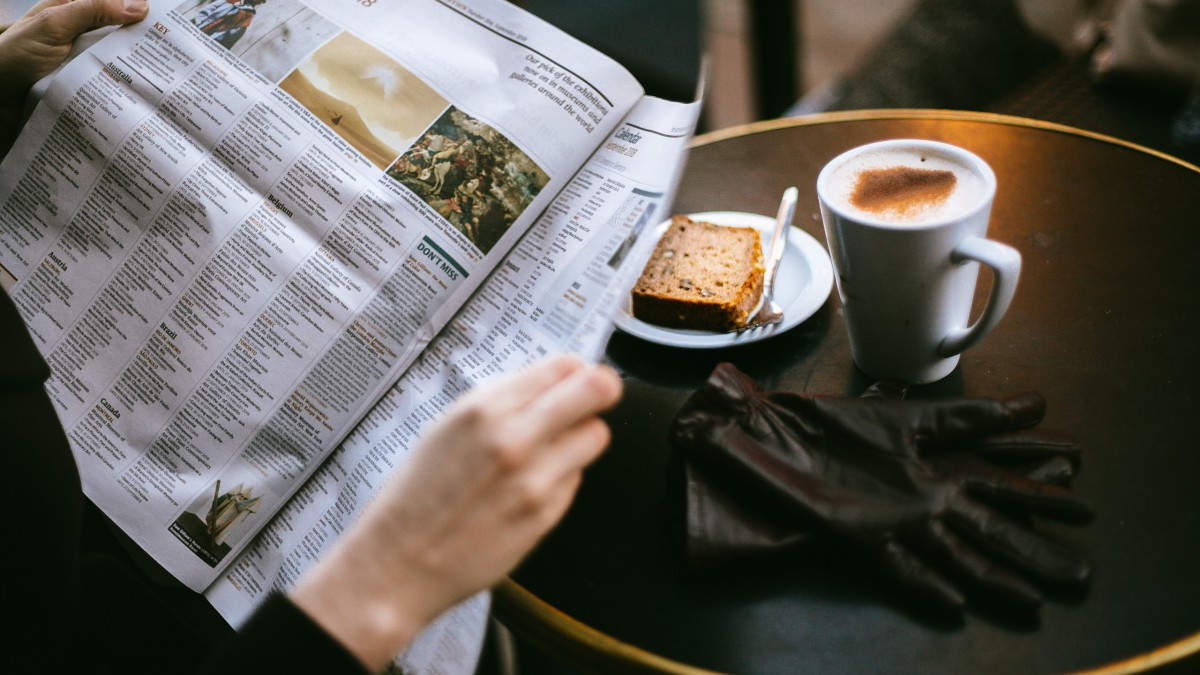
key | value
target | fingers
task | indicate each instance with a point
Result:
(586, 391)
(1011, 489)
(66, 20)
(516, 390)
(1024, 410)
(42, 5)
(919, 581)
(556, 502)
(948, 421)
(558, 436)
(575, 448)
(1018, 546)
(540, 422)
(1007, 489)
(1024, 446)
(984, 576)
(543, 490)
(1034, 498)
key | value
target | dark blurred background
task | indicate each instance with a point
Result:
(1124, 68)
(1129, 68)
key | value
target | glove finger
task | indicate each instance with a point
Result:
(1024, 410)
(936, 423)
(1016, 545)
(919, 581)
(1024, 445)
(941, 422)
(1012, 490)
(1058, 471)
(985, 577)
(1015, 491)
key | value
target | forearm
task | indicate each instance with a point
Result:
(371, 618)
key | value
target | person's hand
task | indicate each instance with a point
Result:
(35, 44)
(939, 492)
(484, 484)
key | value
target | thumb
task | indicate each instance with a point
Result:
(71, 19)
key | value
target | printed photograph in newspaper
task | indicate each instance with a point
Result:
(271, 36)
(473, 176)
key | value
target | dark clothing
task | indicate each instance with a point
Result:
(75, 595)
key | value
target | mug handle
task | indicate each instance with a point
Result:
(1005, 262)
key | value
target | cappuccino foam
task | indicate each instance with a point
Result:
(901, 185)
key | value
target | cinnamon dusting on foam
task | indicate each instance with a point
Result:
(901, 191)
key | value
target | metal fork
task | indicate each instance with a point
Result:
(768, 311)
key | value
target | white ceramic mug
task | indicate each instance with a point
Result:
(906, 272)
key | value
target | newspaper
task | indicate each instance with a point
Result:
(262, 245)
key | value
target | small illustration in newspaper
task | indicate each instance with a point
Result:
(635, 232)
(367, 98)
(225, 21)
(270, 36)
(217, 520)
(473, 176)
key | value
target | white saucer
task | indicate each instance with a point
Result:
(802, 284)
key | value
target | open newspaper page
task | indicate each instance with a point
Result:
(558, 290)
(231, 231)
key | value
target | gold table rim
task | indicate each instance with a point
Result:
(867, 115)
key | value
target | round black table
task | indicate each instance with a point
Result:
(1105, 324)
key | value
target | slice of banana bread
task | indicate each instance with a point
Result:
(701, 276)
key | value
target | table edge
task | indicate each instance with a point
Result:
(583, 646)
(557, 633)
(925, 114)
(549, 628)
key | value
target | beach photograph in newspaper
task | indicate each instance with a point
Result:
(367, 98)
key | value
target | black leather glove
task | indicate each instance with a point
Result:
(941, 492)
